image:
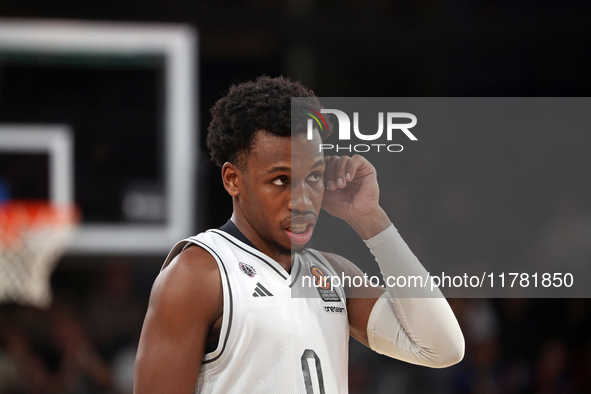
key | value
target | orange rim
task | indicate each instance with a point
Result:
(17, 217)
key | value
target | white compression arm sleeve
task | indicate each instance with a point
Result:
(414, 324)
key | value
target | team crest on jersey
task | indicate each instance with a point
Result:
(248, 270)
(323, 285)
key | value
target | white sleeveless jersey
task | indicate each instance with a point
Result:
(271, 341)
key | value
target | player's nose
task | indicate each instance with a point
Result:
(300, 198)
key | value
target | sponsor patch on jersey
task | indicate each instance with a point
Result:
(248, 270)
(335, 309)
(323, 285)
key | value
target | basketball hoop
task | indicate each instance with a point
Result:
(33, 236)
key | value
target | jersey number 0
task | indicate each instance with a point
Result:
(311, 354)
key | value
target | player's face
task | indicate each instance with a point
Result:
(283, 190)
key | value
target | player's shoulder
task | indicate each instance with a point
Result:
(195, 259)
(193, 264)
(192, 274)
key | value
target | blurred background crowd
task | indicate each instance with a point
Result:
(85, 341)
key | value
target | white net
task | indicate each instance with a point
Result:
(32, 241)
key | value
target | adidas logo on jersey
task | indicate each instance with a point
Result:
(261, 291)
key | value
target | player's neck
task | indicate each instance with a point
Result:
(283, 257)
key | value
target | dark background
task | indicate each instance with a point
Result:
(345, 48)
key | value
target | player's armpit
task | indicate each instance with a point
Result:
(186, 300)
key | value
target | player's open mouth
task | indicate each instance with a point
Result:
(300, 233)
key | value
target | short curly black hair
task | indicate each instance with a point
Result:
(262, 104)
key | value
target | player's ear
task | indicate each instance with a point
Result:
(231, 176)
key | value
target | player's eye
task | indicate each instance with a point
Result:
(316, 176)
(280, 181)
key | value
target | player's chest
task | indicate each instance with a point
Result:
(264, 300)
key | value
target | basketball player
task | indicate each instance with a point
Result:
(222, 318)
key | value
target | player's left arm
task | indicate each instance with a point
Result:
(401, 323)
